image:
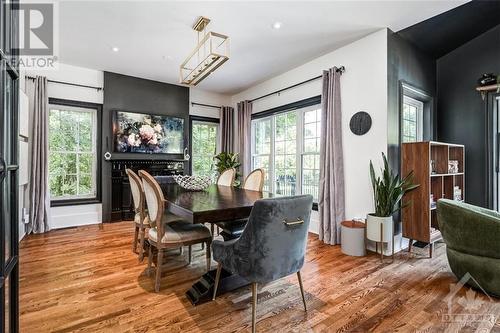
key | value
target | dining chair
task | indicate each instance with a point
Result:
(233, 228)
(165, 235)
(272, 245)
(226, 178)
(140, 212)
(255, 180)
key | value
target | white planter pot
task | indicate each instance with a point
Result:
(373, 228)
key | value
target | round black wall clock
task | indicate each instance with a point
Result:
(360, 123)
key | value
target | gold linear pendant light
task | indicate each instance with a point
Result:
(210, 53)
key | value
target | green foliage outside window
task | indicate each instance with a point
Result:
(204, 148)
(71, 153)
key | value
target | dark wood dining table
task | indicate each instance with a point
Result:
(217, 203)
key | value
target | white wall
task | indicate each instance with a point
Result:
(363, 88)
(198, 95)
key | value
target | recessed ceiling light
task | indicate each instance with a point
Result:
(276, 25)
(115, 49)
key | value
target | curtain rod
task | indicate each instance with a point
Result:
(340, 70)
(67, 83)
(206, 105)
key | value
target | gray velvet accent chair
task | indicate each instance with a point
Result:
(272, 245)
(164, 234)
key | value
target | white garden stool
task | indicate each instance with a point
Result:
(353, 238)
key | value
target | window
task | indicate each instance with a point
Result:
(310, 153)
(412, 119)
(286, 146)
(73, 152)
(261, 157)
(204, 147)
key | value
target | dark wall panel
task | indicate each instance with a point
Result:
(462, 112)
(405, 63)
(126, 93)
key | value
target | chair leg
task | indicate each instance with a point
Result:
(209, 256)
(150, 260)
(136, 237)
(217, 278)
(302, 290)
(254, 305)
(141, 244)
(212, 229)
(190, 250)
(409, 245)
(159, 261)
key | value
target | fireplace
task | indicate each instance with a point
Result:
(122, 207)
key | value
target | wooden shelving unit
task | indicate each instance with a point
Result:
(419, 217)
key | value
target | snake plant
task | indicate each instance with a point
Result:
(389, 189)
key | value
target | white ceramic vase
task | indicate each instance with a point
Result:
(373, 229)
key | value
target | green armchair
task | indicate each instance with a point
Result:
(472, 237)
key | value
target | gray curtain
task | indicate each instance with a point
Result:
(331, 179)
(244, 133)
(226, 128)
(39, 149)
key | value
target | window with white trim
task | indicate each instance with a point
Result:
(286, 146)
(72, 152)
(412, 119)
(205, 136)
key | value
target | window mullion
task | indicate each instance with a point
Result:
(272, 156)
(299, 130)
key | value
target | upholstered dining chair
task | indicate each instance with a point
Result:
(233, 228)
(140, 212)
(226, 178)
(255, 180)
(272, 246)
(165, 235)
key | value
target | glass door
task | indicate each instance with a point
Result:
(9, 267)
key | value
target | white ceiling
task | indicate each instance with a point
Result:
(155, 37)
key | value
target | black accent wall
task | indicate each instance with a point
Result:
(127, 93)
(406, 63)
(462, 114)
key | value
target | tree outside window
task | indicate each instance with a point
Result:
(204, 143)
(72, 152)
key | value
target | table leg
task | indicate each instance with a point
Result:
(202, 290)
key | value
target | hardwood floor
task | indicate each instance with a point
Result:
(88, 280)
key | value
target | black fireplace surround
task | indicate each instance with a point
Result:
(122, 207)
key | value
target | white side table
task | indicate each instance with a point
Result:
(352, 236)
